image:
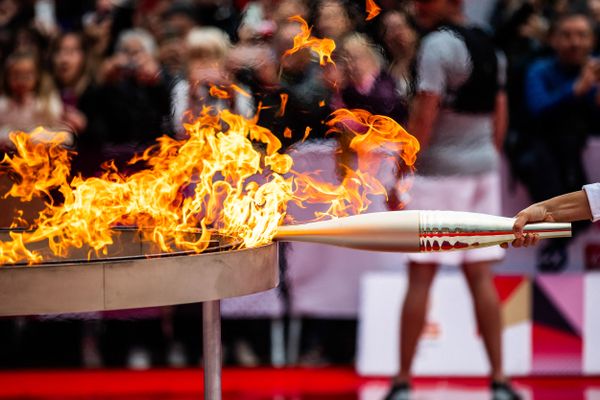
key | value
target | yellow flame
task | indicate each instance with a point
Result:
(237, 184)
(44, 165)
(304, 40)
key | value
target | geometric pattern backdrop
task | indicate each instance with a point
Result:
(551, 325)
(557, 324)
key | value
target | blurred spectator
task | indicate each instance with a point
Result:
(521, 30)
(45, 18)
(369, 85)
(179, 18)
(218, 13)
(150, 15)
(459, 117)
(301, 79)
(289, 8)
(207, 51)
(29, 98)
(97, 25)
(594, 10)
(132, 104)
(562, 97)
(172, 54)
(73, 78)
(333, 19)
(257, 21)
(260, 19)
(400, 39)
(14, 15)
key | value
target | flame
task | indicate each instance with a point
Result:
(303, 40)
(371, 132)
(306, 133)
(373, 10)
(284, 100)
(238, 184)
(219, 93)
(44, 165)
(240, 90)
(287, 133)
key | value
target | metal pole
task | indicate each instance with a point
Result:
(211, 337)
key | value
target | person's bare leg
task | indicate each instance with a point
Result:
(414, 310)
(487, 311)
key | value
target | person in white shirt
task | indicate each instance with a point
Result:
(576, 206)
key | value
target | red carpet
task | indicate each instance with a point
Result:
(271, 384)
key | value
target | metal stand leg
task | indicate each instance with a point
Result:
(294, 340)
(277, 342)
(211, 336)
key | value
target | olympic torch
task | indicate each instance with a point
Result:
(416, 231)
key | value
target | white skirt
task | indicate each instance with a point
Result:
(472, 193)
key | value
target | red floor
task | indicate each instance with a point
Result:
(268, 384)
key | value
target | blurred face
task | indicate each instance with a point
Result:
(594, 6)
(398, 35)
(69, 60)
(430, 13)
(332, 20)
(104, 6)
(8, 9)
(22, 78)
(288, 8)
(573, 41)
(205, 70)
(359, 61)
(180, 23)
(172, 54)
(133, 50)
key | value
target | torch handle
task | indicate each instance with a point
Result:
(549, 230)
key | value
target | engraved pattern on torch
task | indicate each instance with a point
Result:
(436, 234)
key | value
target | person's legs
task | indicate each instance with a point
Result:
(420, 277)
(479, 277)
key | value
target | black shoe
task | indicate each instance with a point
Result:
(399, 391)
(503, 391)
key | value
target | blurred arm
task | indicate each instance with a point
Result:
(424, 113)
(500, 120)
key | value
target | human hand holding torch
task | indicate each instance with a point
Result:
(576, 206)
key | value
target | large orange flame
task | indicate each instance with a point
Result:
(240, 186)
(304, 40)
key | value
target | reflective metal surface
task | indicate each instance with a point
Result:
(126, 278)
(212, 350)
(416, 231)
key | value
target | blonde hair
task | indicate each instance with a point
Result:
(361, 40)
(208, 42)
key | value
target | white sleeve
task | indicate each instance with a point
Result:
(593, 194)
(431, 74)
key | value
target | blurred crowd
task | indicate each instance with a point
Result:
(117, 74)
